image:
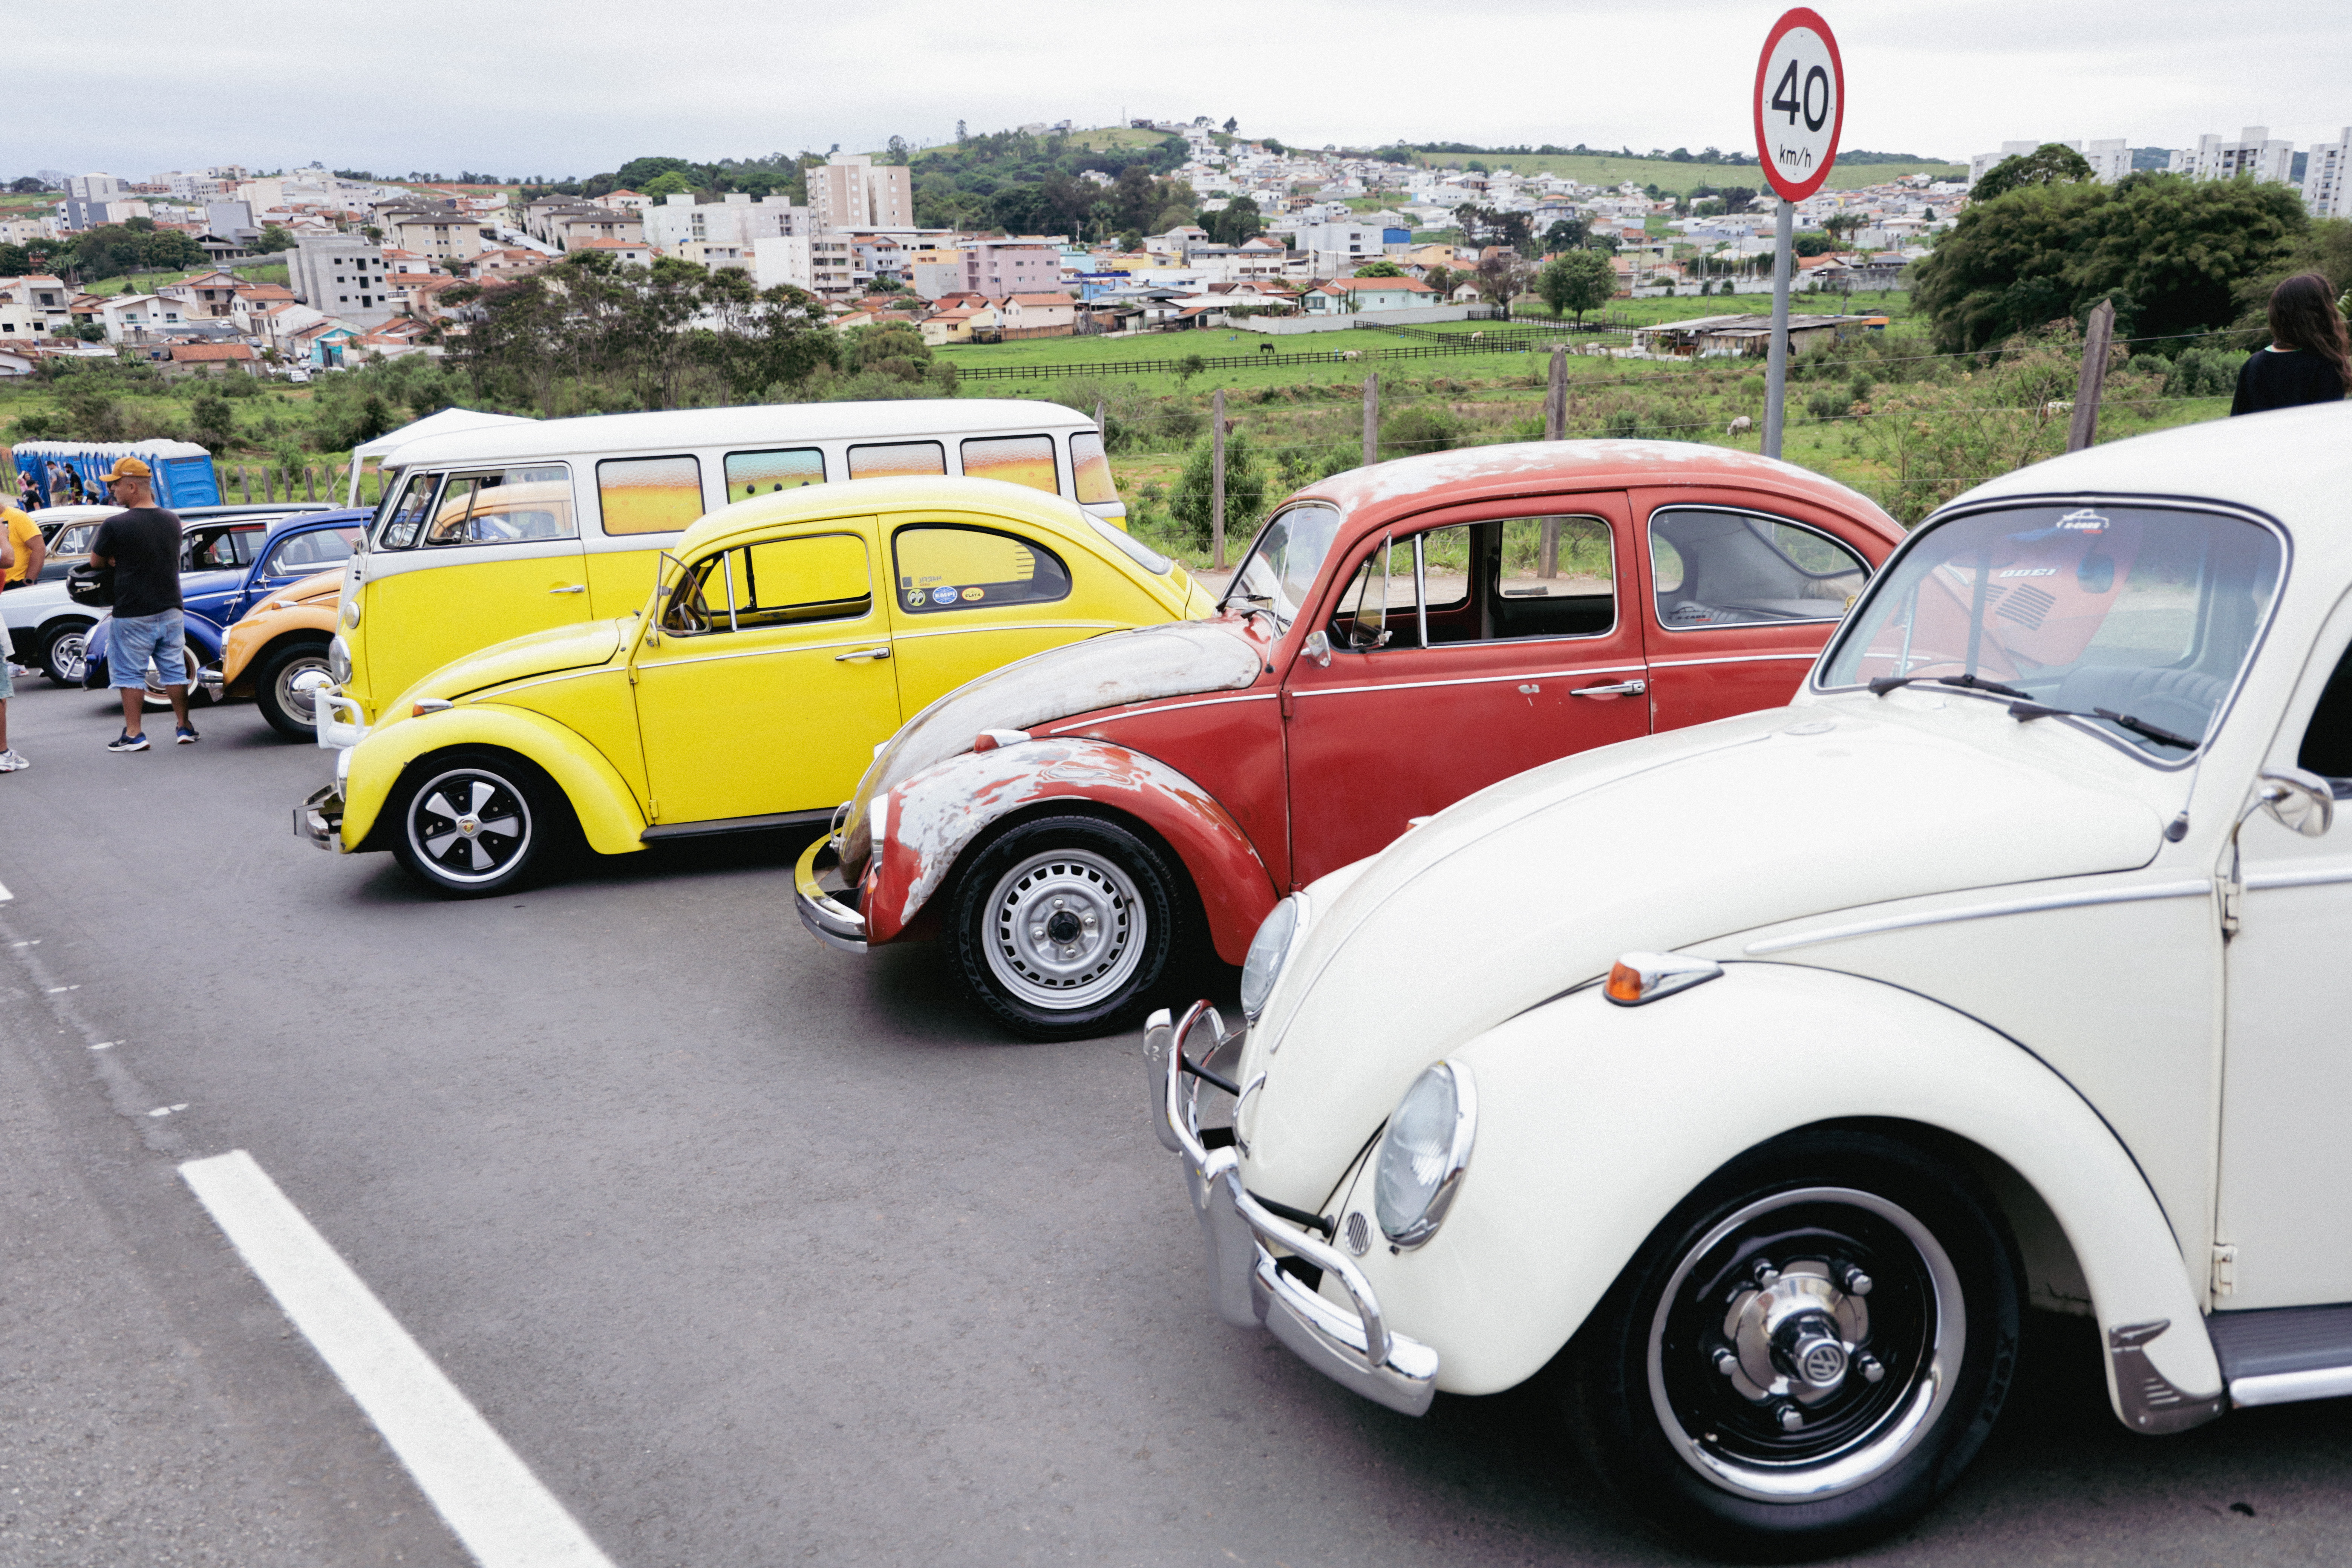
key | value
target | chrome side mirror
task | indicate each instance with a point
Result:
(2297, 799)
(1317, 646)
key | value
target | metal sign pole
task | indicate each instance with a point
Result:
(1776, 373)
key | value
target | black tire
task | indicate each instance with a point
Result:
(1125, 901)
(521, 825)
(280, 705)
(1688, 1443)
(62, 653)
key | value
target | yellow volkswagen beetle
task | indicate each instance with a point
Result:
(785, 639)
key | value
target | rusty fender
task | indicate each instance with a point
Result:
(928, 821)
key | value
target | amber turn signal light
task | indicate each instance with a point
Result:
(1639, 977)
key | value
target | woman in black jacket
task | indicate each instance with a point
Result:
(2308, 360)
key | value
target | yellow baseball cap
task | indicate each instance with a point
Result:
(126, 469)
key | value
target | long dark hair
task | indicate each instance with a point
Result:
(2304, 316)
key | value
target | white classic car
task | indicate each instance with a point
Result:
(1751, 1080)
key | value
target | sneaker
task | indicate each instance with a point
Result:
(127, 741)
(12, 762)
(185, 734)
(19, 672)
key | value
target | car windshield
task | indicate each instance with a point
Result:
(2146, 612)
(1279, 571)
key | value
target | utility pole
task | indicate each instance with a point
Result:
(1372, 418)
(1776, 374)
(1217, 475)
(2095, 340)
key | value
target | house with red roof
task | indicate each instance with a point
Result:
(1346, 295)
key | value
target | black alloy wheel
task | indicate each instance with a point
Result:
(1064, 927)
(472, 821)
(1807, 1352)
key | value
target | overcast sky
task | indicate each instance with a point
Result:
(520, 89)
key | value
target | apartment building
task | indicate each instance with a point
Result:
(2110, 158)
(735, 220)
(37, 306)
(852, 191)
(2255, 152)
(442, 234)
(997, 268)
(344, 275)
(2327, 177)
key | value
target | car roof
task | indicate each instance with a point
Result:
(765, 424)
(862, 497)
(2294, 464)
(1371, 496)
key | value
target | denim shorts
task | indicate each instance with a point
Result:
(132, 640)
(7, 683)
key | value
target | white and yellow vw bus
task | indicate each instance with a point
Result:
(488, 534)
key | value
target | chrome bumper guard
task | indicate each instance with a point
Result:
(212, 682)
(834, 923)
(320, 818)
(1246, 1282)
(343, 723)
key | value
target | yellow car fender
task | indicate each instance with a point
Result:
(610, 817)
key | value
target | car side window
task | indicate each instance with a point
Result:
(217, 550)
(2326, 747)
(941, 567)
(405, 519)
(776, 583)
(1504, 580)
(1717, 566)
(312, 551)
(503, 506)
(890, 460)
(751, 474)
(1017, 459)
(649, 495)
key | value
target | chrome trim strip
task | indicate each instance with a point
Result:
(2198, 888)
(2288, 1387)
(662, 663)
(1742, 657)
(1469, 679)
(1167, 707)
(2298, 878)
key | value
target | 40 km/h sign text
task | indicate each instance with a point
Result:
(1800, 104)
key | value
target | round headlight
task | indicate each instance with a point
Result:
(352, 616)
(339, 660)
(1268, 950)
(1424, 1154)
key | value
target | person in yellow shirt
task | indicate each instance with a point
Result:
(27, 551)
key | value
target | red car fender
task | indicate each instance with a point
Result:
(924, 824)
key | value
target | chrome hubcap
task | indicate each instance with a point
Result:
(1064, 929)
(72, 655)
(296, 701)
(468, 826)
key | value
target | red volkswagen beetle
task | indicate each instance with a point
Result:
(1397, 637)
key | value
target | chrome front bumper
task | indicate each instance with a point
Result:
(320, 818)
(1246, 1244)
(834, 923)
(212, 682)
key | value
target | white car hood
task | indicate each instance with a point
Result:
(1537, 884)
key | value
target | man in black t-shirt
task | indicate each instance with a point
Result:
(141, 544)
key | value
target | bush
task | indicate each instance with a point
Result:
(2202, 372)
(1825, 404)
(1244, 490)
(1421, 428)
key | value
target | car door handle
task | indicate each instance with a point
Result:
(575, 588)
(1622, 688)
(873, 653)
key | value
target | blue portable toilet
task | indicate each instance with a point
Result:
(63, 472)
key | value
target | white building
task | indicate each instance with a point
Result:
(93, 187)
(783, 259)
(736, 220)
(2327, 177)
(2110, 159)
(345, 277)
(2253, 154)
(852, 191)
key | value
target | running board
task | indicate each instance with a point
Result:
(2284, 1353)
(736, 824)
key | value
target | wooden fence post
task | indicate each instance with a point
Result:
(2085, 429)
(1099, 428)
(1372, 418)
(1217, 475)
(309, 482)
(245, 482)
(1554, 429)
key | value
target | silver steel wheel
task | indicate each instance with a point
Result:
(292, 700)
(1806, 1344)
(69, 656)
(1064, 929)
(468, 826)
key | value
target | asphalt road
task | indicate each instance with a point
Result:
(753, 1251)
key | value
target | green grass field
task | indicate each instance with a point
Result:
(1672, 177)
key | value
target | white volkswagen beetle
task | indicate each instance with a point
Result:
(1751, 1080)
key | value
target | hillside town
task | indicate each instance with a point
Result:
(1279, 240)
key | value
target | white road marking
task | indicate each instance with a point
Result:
(167, 1110)
(55, 990)
(105, 1044)
(485, 1493)
(4, 896)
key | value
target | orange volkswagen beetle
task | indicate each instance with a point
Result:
(276, 643)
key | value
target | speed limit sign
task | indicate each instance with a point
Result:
(1800, 104)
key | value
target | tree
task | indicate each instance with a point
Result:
(1567, 233)
(1190, 504)
(212, 422)
(274, 238)
(2171, 251)
(1442, 281)
(1238, 222)
(2053, 162)
(1580, 281)
(1232, 125)
(1380, 267)
(1501, 277)
(1812, 242)
(671, 184)
(896, 151)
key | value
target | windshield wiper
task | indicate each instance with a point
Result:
(1887, 683)
(2030, 709)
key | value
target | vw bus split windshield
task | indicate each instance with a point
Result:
(2147, 612)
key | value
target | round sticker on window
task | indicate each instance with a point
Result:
(943, 595)
(915, 599)
(971, 594)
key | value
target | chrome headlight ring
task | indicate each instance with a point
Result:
(1278, 936)
(1424, 1149)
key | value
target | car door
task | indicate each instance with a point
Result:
(1463, 649)
(291, 557)
(2285, 1203)
(494, 552)
(769, 680)
(975, 592)
(1742, 593)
